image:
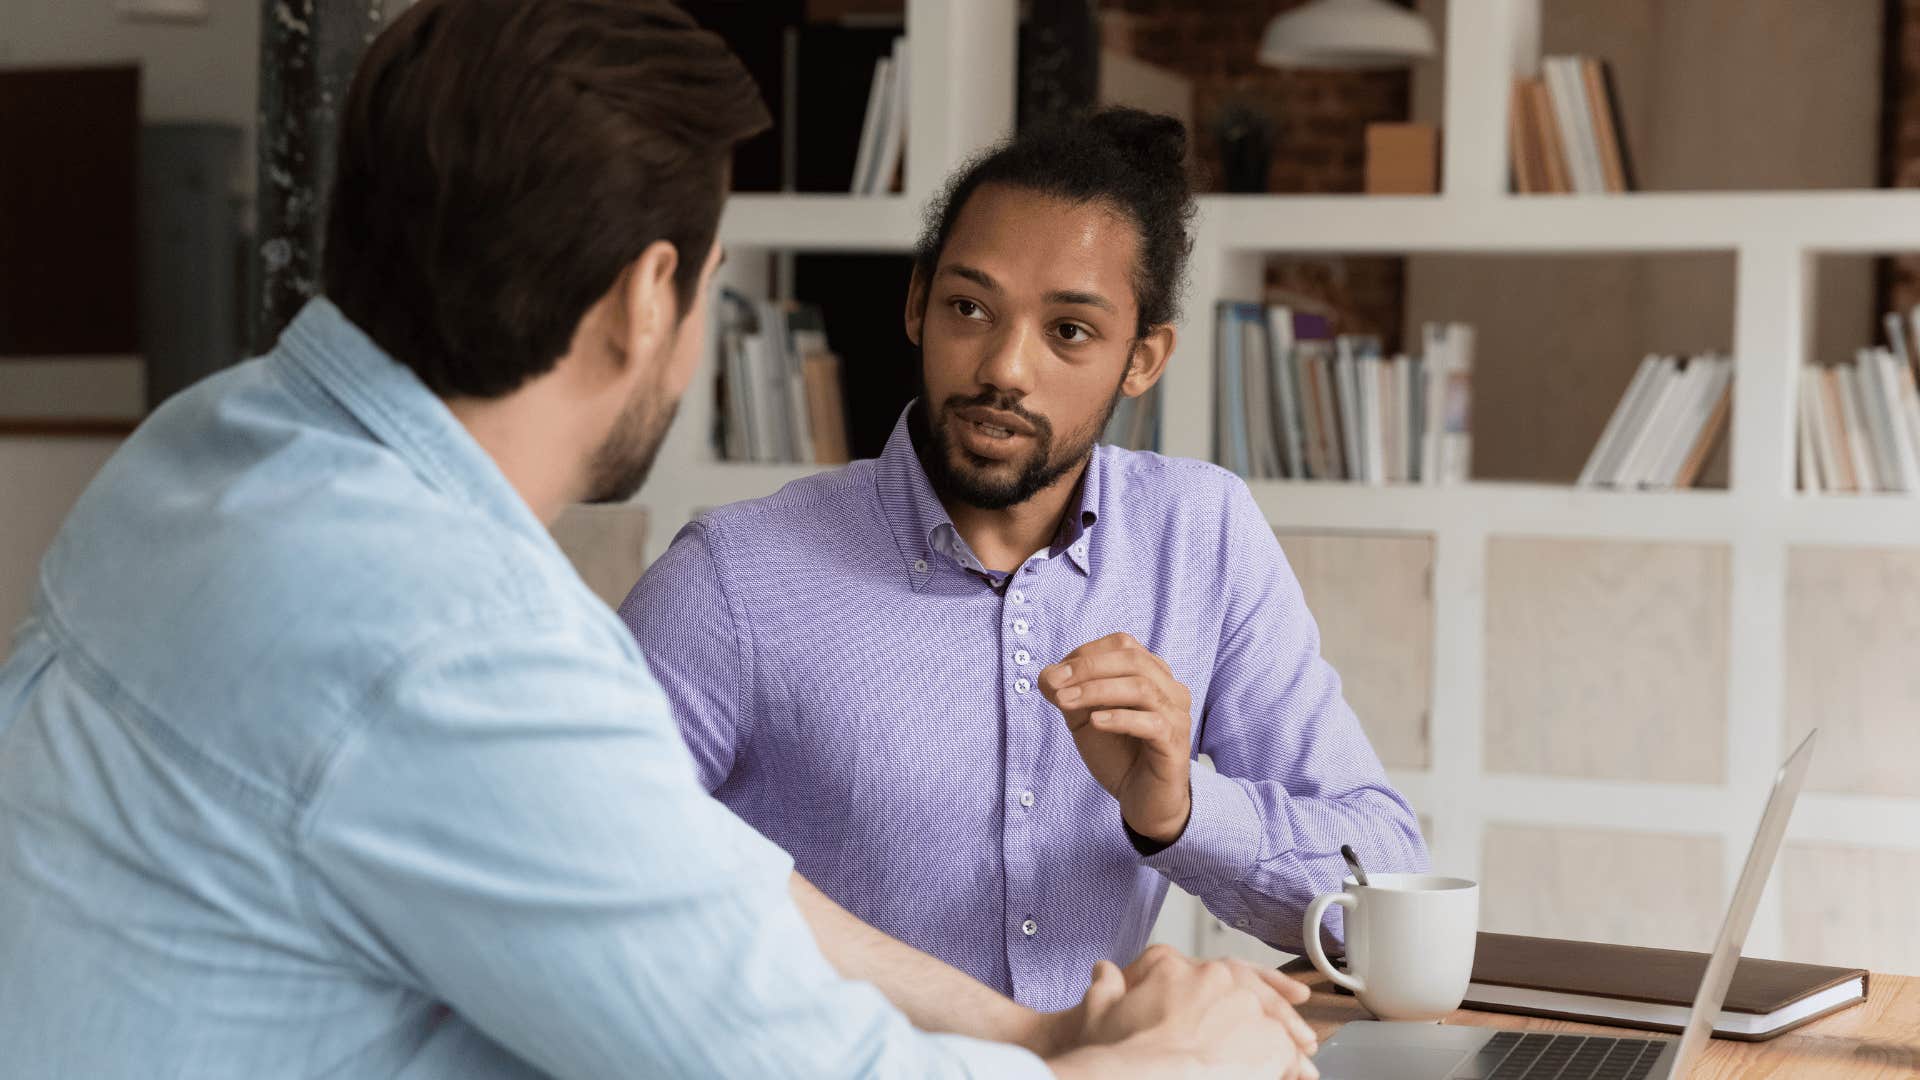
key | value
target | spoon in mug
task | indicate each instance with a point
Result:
(1353, 863)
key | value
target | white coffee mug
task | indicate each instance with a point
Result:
(1410, 941)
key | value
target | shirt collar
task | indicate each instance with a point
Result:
(398, 409)
(918, 519)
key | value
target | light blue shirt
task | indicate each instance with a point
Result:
(318, 759)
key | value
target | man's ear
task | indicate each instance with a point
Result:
(1149, 360)
(649, 306)
(916, 313)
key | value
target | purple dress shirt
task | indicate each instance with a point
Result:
(858, 693)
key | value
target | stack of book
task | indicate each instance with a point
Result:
(1136, 422)
(779, 396)
(1293, 401)
(1665, 425)
(1564, 131)
(1859, 423)
(883, 136)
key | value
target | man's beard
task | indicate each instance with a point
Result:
(625, 457)
(956, 474)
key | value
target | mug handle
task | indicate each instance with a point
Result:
(1310, 936)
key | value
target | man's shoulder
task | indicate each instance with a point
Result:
(1141, 482)
(243, 558)
(832, 507)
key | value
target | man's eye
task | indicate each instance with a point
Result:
(1072, 332)
(967, 309)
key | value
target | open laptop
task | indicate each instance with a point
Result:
(1370, 1050)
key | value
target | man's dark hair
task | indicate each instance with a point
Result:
(501, 162)
(1133, 160)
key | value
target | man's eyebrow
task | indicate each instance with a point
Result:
(978, 277)
(1070, 296)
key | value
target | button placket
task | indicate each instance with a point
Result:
(1025, 641)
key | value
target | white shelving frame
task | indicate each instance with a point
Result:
(962, 99)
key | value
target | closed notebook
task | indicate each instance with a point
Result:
(1651, 988)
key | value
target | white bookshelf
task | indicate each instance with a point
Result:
(962, 98)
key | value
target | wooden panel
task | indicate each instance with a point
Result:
(1852, 905)
(1853, 666)
(1607, 659)
(1373, 598)
(608, 546)
(1657, 890)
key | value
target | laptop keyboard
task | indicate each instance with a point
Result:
(1511, 1055)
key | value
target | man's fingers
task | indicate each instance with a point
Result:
(1297, 1026)
(1080, 666)
(1279, 995)
(1077, 670)
(1153, 957)
(1145, 726)
(1107, 987)
(1295, 991)
(1117, 692)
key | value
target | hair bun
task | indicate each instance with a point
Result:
(1156, 142)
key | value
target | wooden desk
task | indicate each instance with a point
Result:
(1878, 1038)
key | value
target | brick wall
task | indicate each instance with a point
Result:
(1320, 117)
(1319, 136)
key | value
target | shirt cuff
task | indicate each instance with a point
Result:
(1222, 838)
(981, 1060)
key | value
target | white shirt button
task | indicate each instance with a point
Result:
(1026, 798)
(1029, 928)
(1021, 685)
(1019, 626)
(920, 565)
(1021, 656)
(1019, 597)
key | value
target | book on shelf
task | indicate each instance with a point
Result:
(1564, 129)
(1858, 421)
(883, 134)
(1808, 432)
(1448, 452)
(779, 392)
(814, 69)
(1665, 425)
(1294, 401)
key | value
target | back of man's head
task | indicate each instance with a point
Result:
(501, 162)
